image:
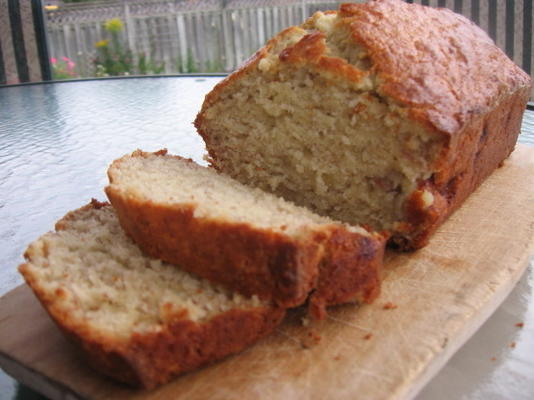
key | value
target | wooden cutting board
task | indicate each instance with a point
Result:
(437, 296)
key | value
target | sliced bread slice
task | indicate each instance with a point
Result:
(250, 241)
(136, 319)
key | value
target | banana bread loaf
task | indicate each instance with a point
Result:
(135, 318)
(384, 113)
(250, 241)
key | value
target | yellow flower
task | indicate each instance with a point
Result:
(102, 43)
(114, 25)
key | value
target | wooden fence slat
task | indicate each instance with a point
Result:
(261, 26)
(80, 47)
(207, 37)
(276, 20)
(289, 14)
(88, 33)
(155, 51)
(501, 25)
(218, 42)
(249, 29)
(166, 44)
(130, 28)
(171, 44)
(492, 18)
(283, 18)
(52, 48)
(517, 49)
(228, 40)
(268, 22)
(182, 41)
(238, 37)
(509, 27)
(59, 44)
(303, 11)
(475, 11)
(192, 50)
(145, 36)
(199, 42)
(208, 40)
(67, 40)
(253, 30)
(210, 34)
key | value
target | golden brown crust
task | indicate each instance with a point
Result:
(153, 358)
(448, 76)
(252, 260)
(150, 360)
(349, 272)
(446, 68)
(486, 142)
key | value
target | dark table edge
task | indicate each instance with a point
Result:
(193, 75)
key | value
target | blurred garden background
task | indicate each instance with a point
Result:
(121, 37)
(88, 38)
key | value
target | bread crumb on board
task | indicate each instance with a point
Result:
(512, 345)
(310, 340)
(368, 336)
(389, 306)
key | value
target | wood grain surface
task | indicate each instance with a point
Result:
(432, 301)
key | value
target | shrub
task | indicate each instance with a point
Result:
(190, 64)
(114, 58)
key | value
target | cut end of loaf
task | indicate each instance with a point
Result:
(307, 122)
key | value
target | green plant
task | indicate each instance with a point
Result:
(190, 64)
(146, 66)
(113, 58)
(214, 66)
